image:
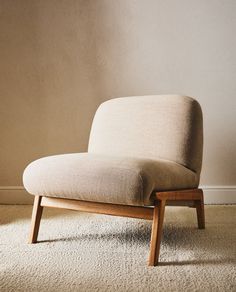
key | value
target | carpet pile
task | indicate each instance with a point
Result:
(87, 252)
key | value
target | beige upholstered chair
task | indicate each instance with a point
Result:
(144, 152)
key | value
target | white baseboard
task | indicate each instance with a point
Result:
(219, 194)
(15, 195)
(212, 195)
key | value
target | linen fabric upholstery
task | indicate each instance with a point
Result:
(138, 145)
(157, 127)
(103, 178)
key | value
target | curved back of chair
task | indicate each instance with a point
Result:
(156, 127)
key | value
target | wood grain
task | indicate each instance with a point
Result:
(199, 204)
(36, 218)
(100, 208)
(182, 195)
(157, 225)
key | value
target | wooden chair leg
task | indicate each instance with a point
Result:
(157, 224)
(35, 221)
(200, 212)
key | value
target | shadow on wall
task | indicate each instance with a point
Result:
(66, 57)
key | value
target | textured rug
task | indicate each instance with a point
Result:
(86, 252)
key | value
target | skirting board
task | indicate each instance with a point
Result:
(212, 195)
(219, 194)
(15, 195)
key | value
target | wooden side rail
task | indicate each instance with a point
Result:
(99, 208)
(184, 195)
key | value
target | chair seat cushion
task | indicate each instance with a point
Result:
(108, 179)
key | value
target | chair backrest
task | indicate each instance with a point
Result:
(156, 127)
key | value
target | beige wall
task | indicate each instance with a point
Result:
(60, 59)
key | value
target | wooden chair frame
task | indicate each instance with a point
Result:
(190, 197)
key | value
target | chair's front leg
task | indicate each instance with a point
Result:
(35, 221)
(157, 224)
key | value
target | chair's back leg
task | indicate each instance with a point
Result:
(199, 204)
(35, 221)
(157, 224)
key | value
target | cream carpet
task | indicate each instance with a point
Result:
(87, 252)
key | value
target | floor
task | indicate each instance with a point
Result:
(87, 252)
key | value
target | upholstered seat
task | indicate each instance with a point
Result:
(104, 178)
